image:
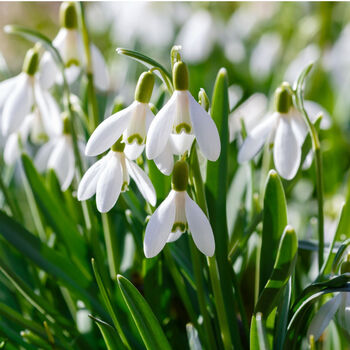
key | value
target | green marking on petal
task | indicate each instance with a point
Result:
(183, 127)
(72, 62)
(135, 137)
(125, 186)
(179, 226)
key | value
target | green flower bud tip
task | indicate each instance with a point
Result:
(180, 176)
(31, 62)
(66, 125)
(283, 98)
(119, 145)
(180, 76)
(68, 15)
(203, 99)
(345, 266)
(144, 87)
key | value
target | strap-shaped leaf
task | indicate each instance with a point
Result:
(146, 322)
(274, 222)
(282, 270)
(57, 216)
(258, 336)
(110, 336)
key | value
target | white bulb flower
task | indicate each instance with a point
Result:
(20, 94)
(132, 122)
(69, 44)
(175, 215)
(110, 176)
(178, 124)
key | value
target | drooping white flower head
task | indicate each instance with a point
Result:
(110, 176)
(178, 123)
(286, 128)
(69, 44)
(21, 93)
(176, 214)
(338, 306)
(58, 155)
(132, 122)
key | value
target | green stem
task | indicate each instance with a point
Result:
(197, 268)
(212, 263)
(111, 245)
(92, 100)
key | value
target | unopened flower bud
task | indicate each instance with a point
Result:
(66, 125)
(180, 76)
(283, 98)
(180, 176)
(144, 87)
(203, 99)
(68, 15)
(31, 62)
(345, 266)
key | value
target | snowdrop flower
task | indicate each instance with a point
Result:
(177, 214)
(19, 94)
(288, 130)
(58, 154)
(339, 305)
(110, 176)
(178, 123)
(69, 44)
(132, 122)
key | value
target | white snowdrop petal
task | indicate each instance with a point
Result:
(108, 132)
(286, 150)
(205, 130)
(160, 129)
(72, 74)
(323, 317)
(18, 105)
(134, 150)
(109, 184)
(142, 181)
(48, 71)
(42, 157)
(99, 67)
(159, 226)
(308, 161)
(181, 143)
(88, 183)
(60, 161)
(299, 127)
(165, 160)
(174, 236)
(11, 150)
(49, 111)
(6, 87)
(313, 109)
(70, 159)
(199, 226)
(256, 139)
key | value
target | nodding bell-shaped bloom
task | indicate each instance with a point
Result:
(69, 44)
(338, 306)
(19, 94)
(110, 176)
(178, 123)
(58, 155)
(131, 122)
(177, 214)
(286, 128)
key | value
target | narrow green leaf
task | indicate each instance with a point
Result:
(110, 336)
(147, 324)
(282, 270)
(258, 337)
(14, 337)
(57, 217)
(108, 303)
(274, 222)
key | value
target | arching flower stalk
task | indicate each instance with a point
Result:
(69, 44)
(20, 94)
(178, 123)
(131, 122)
(110, 176)
(177, 214)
